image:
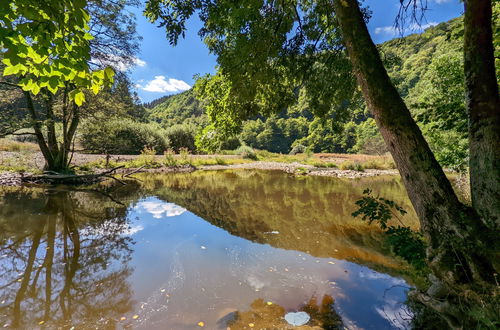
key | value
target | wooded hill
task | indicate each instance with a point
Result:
(427, 69)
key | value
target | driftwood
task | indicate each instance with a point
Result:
(57, 178)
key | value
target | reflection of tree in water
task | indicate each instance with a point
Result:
(266, 315)
(63, 260)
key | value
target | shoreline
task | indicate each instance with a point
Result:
(15, 179)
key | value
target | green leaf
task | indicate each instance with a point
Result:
(79, 98)
(109, 73)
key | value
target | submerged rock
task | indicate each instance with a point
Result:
(297, 319)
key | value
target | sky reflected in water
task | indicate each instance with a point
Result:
(211, 249)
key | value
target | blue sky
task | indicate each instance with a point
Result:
(162, 69)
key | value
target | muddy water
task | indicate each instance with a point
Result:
(201, 250)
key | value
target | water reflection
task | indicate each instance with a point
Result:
(309, 214)
(63, 259)
(206, 247)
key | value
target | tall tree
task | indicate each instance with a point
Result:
(483, 106)
(266, 48)
(54, 52)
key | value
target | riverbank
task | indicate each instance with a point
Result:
(15, 165)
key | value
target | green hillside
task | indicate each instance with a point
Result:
(427, 69)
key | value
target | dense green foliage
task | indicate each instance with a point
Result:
(122, 136)
(427, 69)
(46, 45)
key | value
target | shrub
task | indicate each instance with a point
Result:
(122, 136)
(349, 165)
(231, 143)
(298, 149)
(220, 161)
(246, 152)
(181, 136)
(169, 158)
(185, 159)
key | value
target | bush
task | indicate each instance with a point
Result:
(246, 152)
(231, 143)
(122, 136)
(181, 136)
(169, 158)
(298, 149)
(353, 166)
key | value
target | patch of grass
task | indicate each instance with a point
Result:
(169, 158)
(185, 157)
(381, 164)
(200, 161)
(220, 161)
(350, 165)
(301, 171)
(18, 169)
(15, 146)
(322, 164)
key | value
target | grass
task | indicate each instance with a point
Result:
(15, 146)
(244, 154)
(353, 166)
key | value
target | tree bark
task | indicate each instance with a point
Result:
(38, 130)
(448, 225)
(484, 111)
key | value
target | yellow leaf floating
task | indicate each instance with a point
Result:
(135, 317)
(41, 322)
(331, 262)
(269, 303)
(201, 324)
(251, 325)
(123, 318)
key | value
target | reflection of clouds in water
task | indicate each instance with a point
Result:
(381, 276)
(398, 314)
(161, 209)
(133, 230)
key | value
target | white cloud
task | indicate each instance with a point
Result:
(139, 62)
(161, 209)
(161, 85)
(412, 28)
(441, 1)
(120, 63)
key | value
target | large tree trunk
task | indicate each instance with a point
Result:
(484, 111)
(55, 154)
(455, 253)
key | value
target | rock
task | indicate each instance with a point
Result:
(297, 319)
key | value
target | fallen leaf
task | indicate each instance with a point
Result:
(41, 322)
(331, 262)
(269, 303)
(123, 318)
(251, 325)
(201, 324)
(135, 317)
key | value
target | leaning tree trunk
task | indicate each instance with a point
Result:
(484, 111)
(458, 246)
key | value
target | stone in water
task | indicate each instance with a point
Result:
(297, 319)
